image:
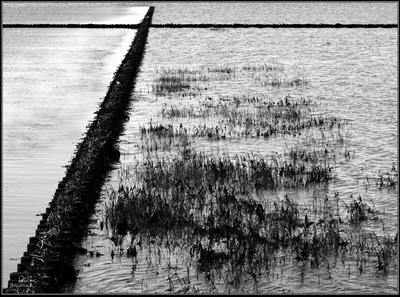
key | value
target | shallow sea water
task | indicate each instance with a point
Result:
(53, 81)
(353, 73)
(270, 12)
(64, 12)
(354, 78)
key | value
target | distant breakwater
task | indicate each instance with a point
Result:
(47, 265)
(171, 25)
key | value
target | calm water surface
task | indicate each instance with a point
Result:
(57, 12)
(353, 74)
(267, 12)
(284, 12)
(51, 89)
(53, 81)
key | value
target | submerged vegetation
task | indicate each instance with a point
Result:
(261, 118)
(216, 208)
(170, 81)
(235, 218)
(220, 213)
(388, 179)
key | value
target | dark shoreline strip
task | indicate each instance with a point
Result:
(47, 265)
(135, 26)
(95, 26)
(274, 25)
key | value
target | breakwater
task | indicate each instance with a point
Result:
(171, 25)
(94, 26)
(274, 25)
(47, 265)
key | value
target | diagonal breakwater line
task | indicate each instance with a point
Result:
(47, 265)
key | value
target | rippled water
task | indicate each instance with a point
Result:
(50, 91)
(268, 12)
(53, 81)
(187, 12)
(353, 74)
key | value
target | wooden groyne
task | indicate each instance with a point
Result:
(90, 26)
(47, 265)
(274, 25)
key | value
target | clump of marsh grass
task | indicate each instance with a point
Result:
(262, 67)
(387, 180)
(225, 229)
(260, 119)
(175, 80)
(249, 126)
(253, 170)
(278, 80)
(310, 154)
(285, 82)
(220, 69)
(358, 211)
(217, 212)
(169, 83)
(227, 107)
(386, 250)
(382, 180)
(259, 124)
(172, 111)
(170, 80)
(151, 142)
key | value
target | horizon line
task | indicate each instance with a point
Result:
(202, 25)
